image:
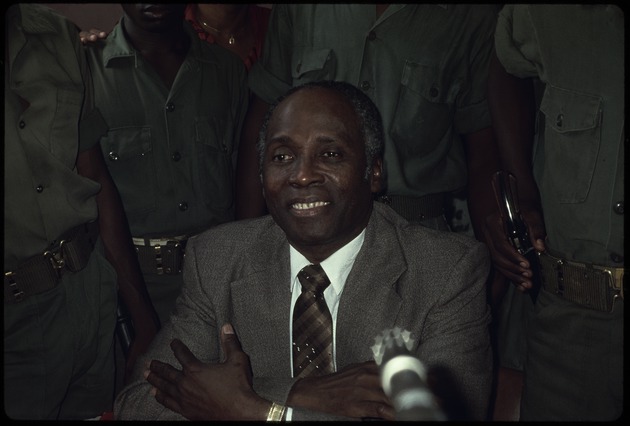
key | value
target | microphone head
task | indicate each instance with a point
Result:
(390, 343)
(404, 376)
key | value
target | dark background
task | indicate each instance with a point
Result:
(101, 16)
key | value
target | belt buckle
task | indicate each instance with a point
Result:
(56, 258)
(158, 258)
(161, 256)
(166, 257)
(173, 257)
(615, 276)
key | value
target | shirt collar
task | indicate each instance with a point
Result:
(118, 46)
(337, 266)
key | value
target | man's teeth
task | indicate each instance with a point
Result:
(304, 206)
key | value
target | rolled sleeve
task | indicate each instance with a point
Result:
(514, 45)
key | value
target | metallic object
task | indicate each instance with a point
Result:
(505, 191)
(124, 327)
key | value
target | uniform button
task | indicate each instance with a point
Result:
(619, 207)
(176, 156)
(113, 156)
(365, 85)
(170, 107)
(183, 206)
(559, 120)
(39, 189)
(617, 258)
(372, 36)
(22, 124)
(433, 92)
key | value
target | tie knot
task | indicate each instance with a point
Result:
(313, 278)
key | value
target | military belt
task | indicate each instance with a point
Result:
(416, 208)
(162, 256)
(70, 253)
(592, 286)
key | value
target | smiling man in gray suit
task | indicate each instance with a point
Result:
(321, 165)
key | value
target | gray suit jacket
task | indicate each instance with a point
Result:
(429, 282)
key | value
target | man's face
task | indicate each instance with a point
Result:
(313, 171)
(155, 17)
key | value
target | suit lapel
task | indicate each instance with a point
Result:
(369, 302)
(260, 303)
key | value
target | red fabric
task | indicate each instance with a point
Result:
(258, 20)
(107, 416)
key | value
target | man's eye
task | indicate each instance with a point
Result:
(331, 154)
(281, 158)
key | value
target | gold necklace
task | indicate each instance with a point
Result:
(231, 39)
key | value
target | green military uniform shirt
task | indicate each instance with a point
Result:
(58, 362)
(579, 161)
(171, 152)
(572, 356)
(425, 66)
(44, 196)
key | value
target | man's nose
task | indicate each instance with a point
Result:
(305, 172)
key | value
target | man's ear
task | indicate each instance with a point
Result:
(377, 177)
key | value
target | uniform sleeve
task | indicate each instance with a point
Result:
(270, 77)
(472, 106)
(92, 125)
(515, 41)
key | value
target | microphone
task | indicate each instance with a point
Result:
(404, 377)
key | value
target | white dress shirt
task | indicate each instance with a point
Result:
(337, 267)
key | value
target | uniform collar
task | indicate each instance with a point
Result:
(118, 47)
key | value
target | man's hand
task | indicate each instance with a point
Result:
(514, 266)
(208, 391)
(353, 392)
(92, 35)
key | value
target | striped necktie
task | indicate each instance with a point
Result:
(312, 325)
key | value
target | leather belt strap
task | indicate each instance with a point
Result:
(43, 272)
(161, 255)
(592, 286)
(416, 208)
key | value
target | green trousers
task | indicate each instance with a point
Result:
(573, 369)
(58, 347)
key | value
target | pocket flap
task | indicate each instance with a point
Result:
(570, 111)
(311, 60)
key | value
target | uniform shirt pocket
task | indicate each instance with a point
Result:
(64, 125)
(424, 111)
(313, 65)
(128, 153)
(213, 166)
(571, 141)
